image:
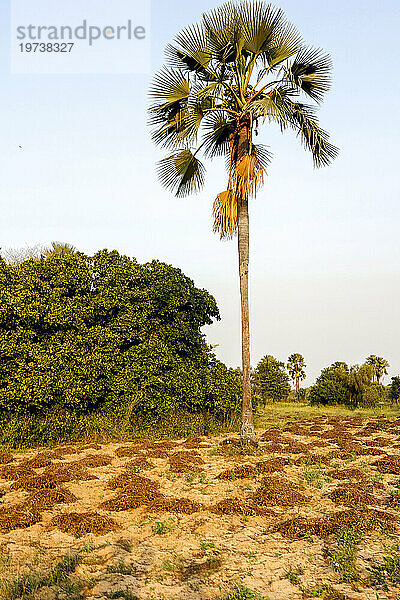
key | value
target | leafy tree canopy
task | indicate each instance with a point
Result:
(82, 331)
(330, 387)
(359, 378)
(373, 395)
(270, 380)
(353, 386)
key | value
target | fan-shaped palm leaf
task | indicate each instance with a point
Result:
(182, 173)
(267, 33)
(310, 72)
(224, 33)
(189, 51)
(312, 136)
(169, 86)
(273, 105)
(217, 130)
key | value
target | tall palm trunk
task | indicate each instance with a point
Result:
(240, 145)
(247, 432)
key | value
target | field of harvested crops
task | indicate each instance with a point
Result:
(312, 512)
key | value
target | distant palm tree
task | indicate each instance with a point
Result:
(244, 64)
(296, 366)
(379, 365)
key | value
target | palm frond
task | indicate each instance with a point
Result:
(212, 90)
(223, 32)
(310, 71)
(248, 175)
(287, 41)
(262, 26)
(169, 116)
(169, 86)
(268, 35)
(263, 155)
(193, 122)
(173, 126)
(197, 110)
(217, 129)
(245, 177)
(273, 105)
(312, 136)
(182, 173)
(202, 102)
(189, 51)
(279, 106)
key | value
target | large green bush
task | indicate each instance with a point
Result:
(330, 387)
(84, 332)
(373, 395)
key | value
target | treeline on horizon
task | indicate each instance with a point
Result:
(354, 386)
(105, 334)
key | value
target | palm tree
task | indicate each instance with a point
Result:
(296, 366)
(379, 365)
(243, 65)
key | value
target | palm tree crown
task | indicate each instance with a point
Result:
(244, 63)
(379, 366)
(296, 366)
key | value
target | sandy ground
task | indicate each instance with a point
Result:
(191, 519)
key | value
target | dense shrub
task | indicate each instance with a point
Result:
(373, 395)
(330, 387)
(394, 390)
(82, 332)
(270, 381)
(301, 396)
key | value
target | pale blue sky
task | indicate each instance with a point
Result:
(325, 249)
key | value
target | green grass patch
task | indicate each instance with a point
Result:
(314, 476)
(342, 559)
(241, 592)
(58, 427)
(162, 527)
(123, 594)
(388, 571)
(25, 587)
(293, 575)
(121, 568)
(280, 411)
